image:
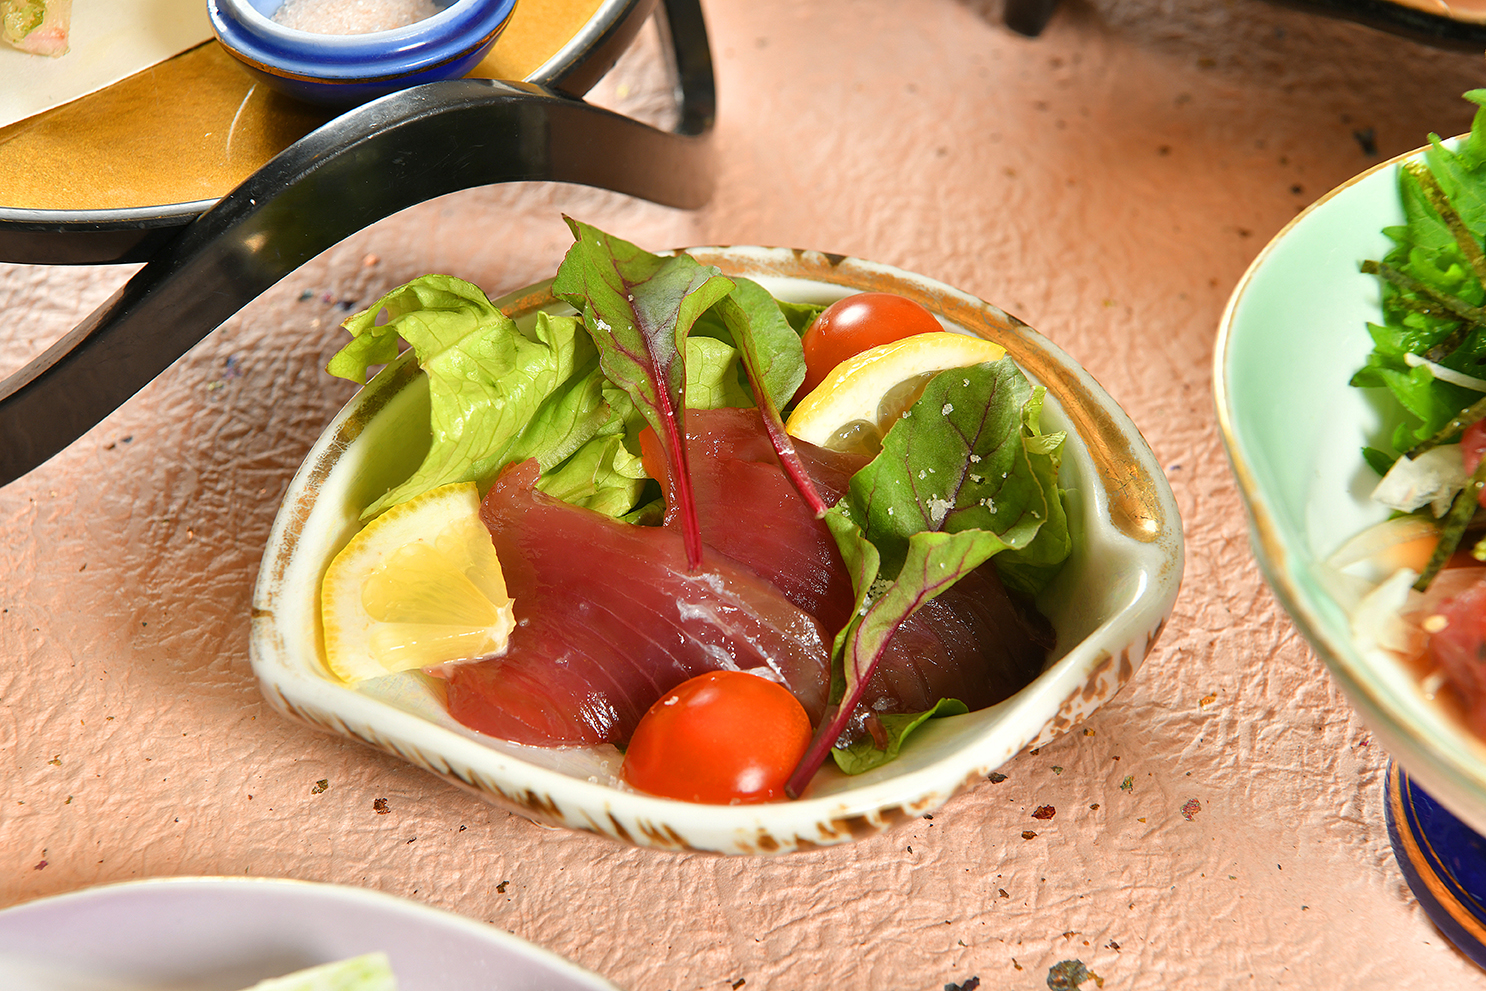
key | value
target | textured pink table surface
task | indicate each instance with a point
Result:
(1108, 183)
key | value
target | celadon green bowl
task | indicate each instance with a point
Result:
(1108, 604)
(1294, 332)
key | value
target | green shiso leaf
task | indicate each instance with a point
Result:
(496, 394)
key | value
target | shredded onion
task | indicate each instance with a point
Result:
(1432, 478)
(1374, 542)
(1445, 374)
(1378, 621)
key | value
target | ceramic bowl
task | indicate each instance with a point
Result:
(347, 69)
(231, 932)
(1108, 604)
(1293, 333)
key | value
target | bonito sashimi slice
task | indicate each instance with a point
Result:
(608, 619)
(974, 642)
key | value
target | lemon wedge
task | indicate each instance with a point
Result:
(421, 585)
(856, 403)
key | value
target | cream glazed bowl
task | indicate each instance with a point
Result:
(1108, 604)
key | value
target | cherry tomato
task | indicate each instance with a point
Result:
(724, 738)
(859, 323)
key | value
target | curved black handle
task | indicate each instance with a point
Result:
(365, 165)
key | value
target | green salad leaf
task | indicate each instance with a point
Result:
(953, 486)
(864, 754)
(368, 972)
(499, 397)
(496, 394)
(966, 475)
(19, 18)
(640, 308)
(1433, 289)
(774, 359)
(1430, 350)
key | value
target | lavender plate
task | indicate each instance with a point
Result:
(223, 934)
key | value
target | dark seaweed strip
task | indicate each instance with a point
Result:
(1476, 411)
(1435, 194)
(1474, 316)
(1462, 510)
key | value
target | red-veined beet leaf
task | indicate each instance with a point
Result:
(639, 308)
(775, 362)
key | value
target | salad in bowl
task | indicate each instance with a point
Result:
(692, 551)
(1360, 327)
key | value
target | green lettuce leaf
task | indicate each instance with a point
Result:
(864, 754)
(712, 375)
(497, 396)
(369, 972)
(603, 475)
(19, 18)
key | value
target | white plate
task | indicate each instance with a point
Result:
(109, 39)
(224, 934)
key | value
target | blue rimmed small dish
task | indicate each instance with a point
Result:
(1109, 603)
(1443, 860)
(348, 69)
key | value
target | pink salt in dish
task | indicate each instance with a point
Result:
(352, 16)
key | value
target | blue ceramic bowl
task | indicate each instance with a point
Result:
(347, 69)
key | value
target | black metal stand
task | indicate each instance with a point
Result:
(363, 166)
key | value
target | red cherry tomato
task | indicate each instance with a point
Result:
(725, 737)
(859, 323)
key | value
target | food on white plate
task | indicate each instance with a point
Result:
(1426, 603)
(662, 538)
(39, 27)
(369, 972)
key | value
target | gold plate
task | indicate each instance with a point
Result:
(194, 126)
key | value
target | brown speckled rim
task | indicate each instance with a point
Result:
(1142, 519)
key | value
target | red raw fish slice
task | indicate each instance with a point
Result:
(750, 512)
(1459, 647)
(609, 618)
(973, 643)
